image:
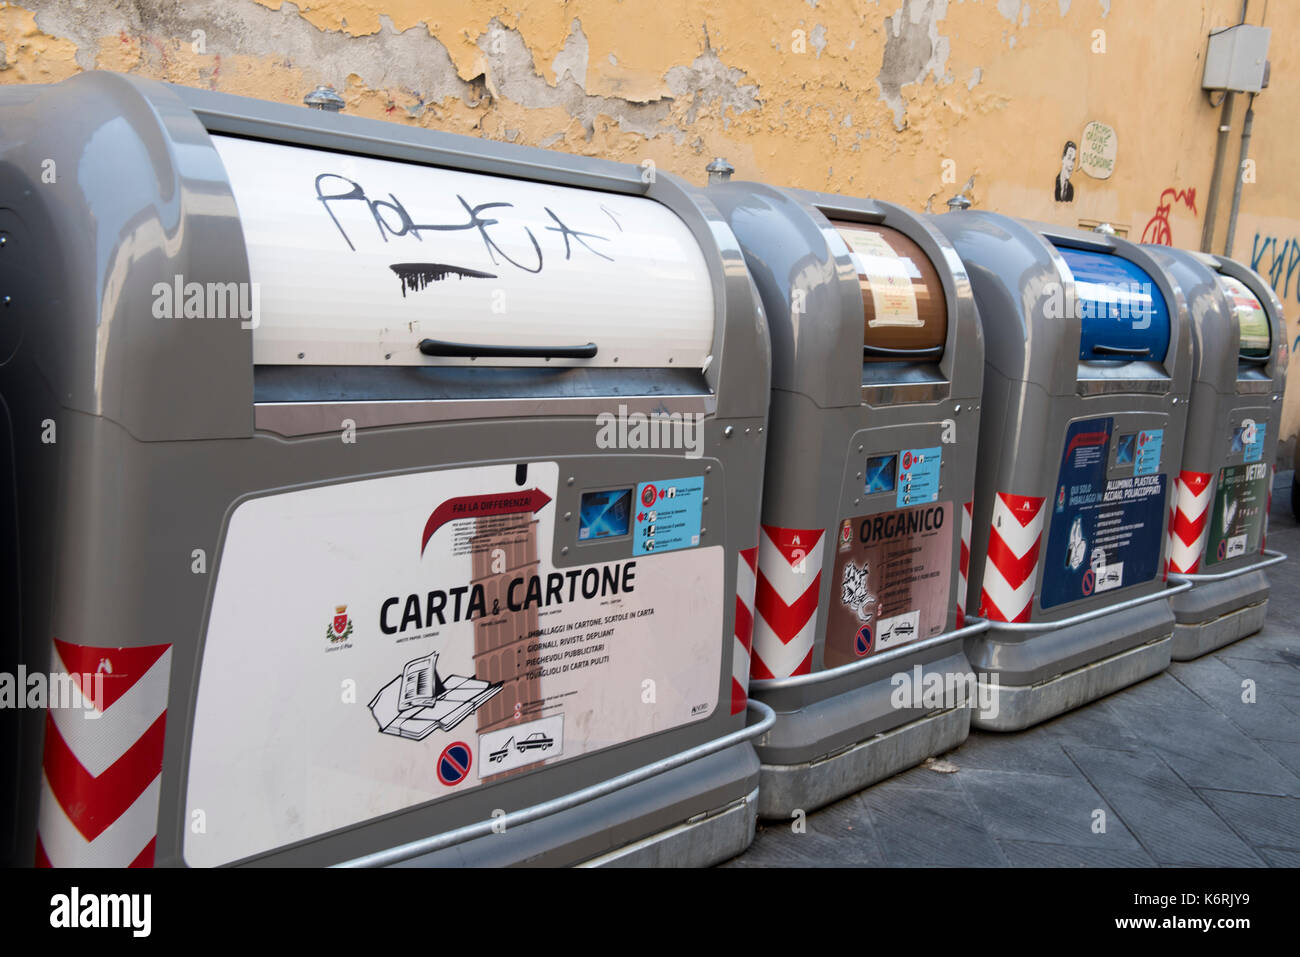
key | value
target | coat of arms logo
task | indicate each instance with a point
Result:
(340, 629)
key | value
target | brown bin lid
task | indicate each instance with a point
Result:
(903, 305)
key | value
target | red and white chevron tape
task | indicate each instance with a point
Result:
(963, 566)
(785, 600)
(746, 580)
(99, 796)
(1011, 569)
(1189, 521)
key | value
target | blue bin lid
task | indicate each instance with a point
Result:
(1123, 313)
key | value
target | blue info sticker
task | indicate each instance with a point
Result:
(667, 515)
(1253, 440)
(1147, 461)
(1248, 439)
(918, 476)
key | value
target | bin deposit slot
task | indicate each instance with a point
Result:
(281, 383)
(1100, 377)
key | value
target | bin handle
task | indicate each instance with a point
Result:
(883, 352)
(1121, 350)
(1271, 558)
(437, 347)
(1253, 360)
(1029, 626)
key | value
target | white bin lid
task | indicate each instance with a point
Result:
(356, 260)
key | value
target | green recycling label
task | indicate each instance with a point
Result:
(1237, 525)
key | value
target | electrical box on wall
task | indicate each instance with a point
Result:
(1236, 59)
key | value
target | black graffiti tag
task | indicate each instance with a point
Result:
(566, 232)
(392, 220)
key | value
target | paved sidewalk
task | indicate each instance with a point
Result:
(1185, 772)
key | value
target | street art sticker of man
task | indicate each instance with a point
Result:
(1064, 188)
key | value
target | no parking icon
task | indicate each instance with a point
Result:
(863, 642)
(454, 763)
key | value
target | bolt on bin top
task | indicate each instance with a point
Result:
(719, 170)
(324, 98)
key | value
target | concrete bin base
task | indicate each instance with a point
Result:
(785, 787)
(850, 730)
(1193, 641)
(711, 839)
(1019, 707)
(1215, 614)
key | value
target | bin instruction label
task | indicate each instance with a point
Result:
(918, 476)
(1105, 533)
(1237, 523)
(379, 644)
(1248, 440)
(1147, 461)
(891, 586)
(667, 515)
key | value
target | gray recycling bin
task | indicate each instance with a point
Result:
(392, 487)
(1219, 504)
(877, 363)
(1087, 370)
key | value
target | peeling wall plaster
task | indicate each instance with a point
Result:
(903, 99)
(914, 50)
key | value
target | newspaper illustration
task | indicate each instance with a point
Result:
(419, 701)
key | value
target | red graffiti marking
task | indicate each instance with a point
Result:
(1157, 230)
(162, 50)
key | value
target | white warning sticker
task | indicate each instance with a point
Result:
(1236, 547)
(522, 744)
(892, 292)
(1109, 576)
(898, 630)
